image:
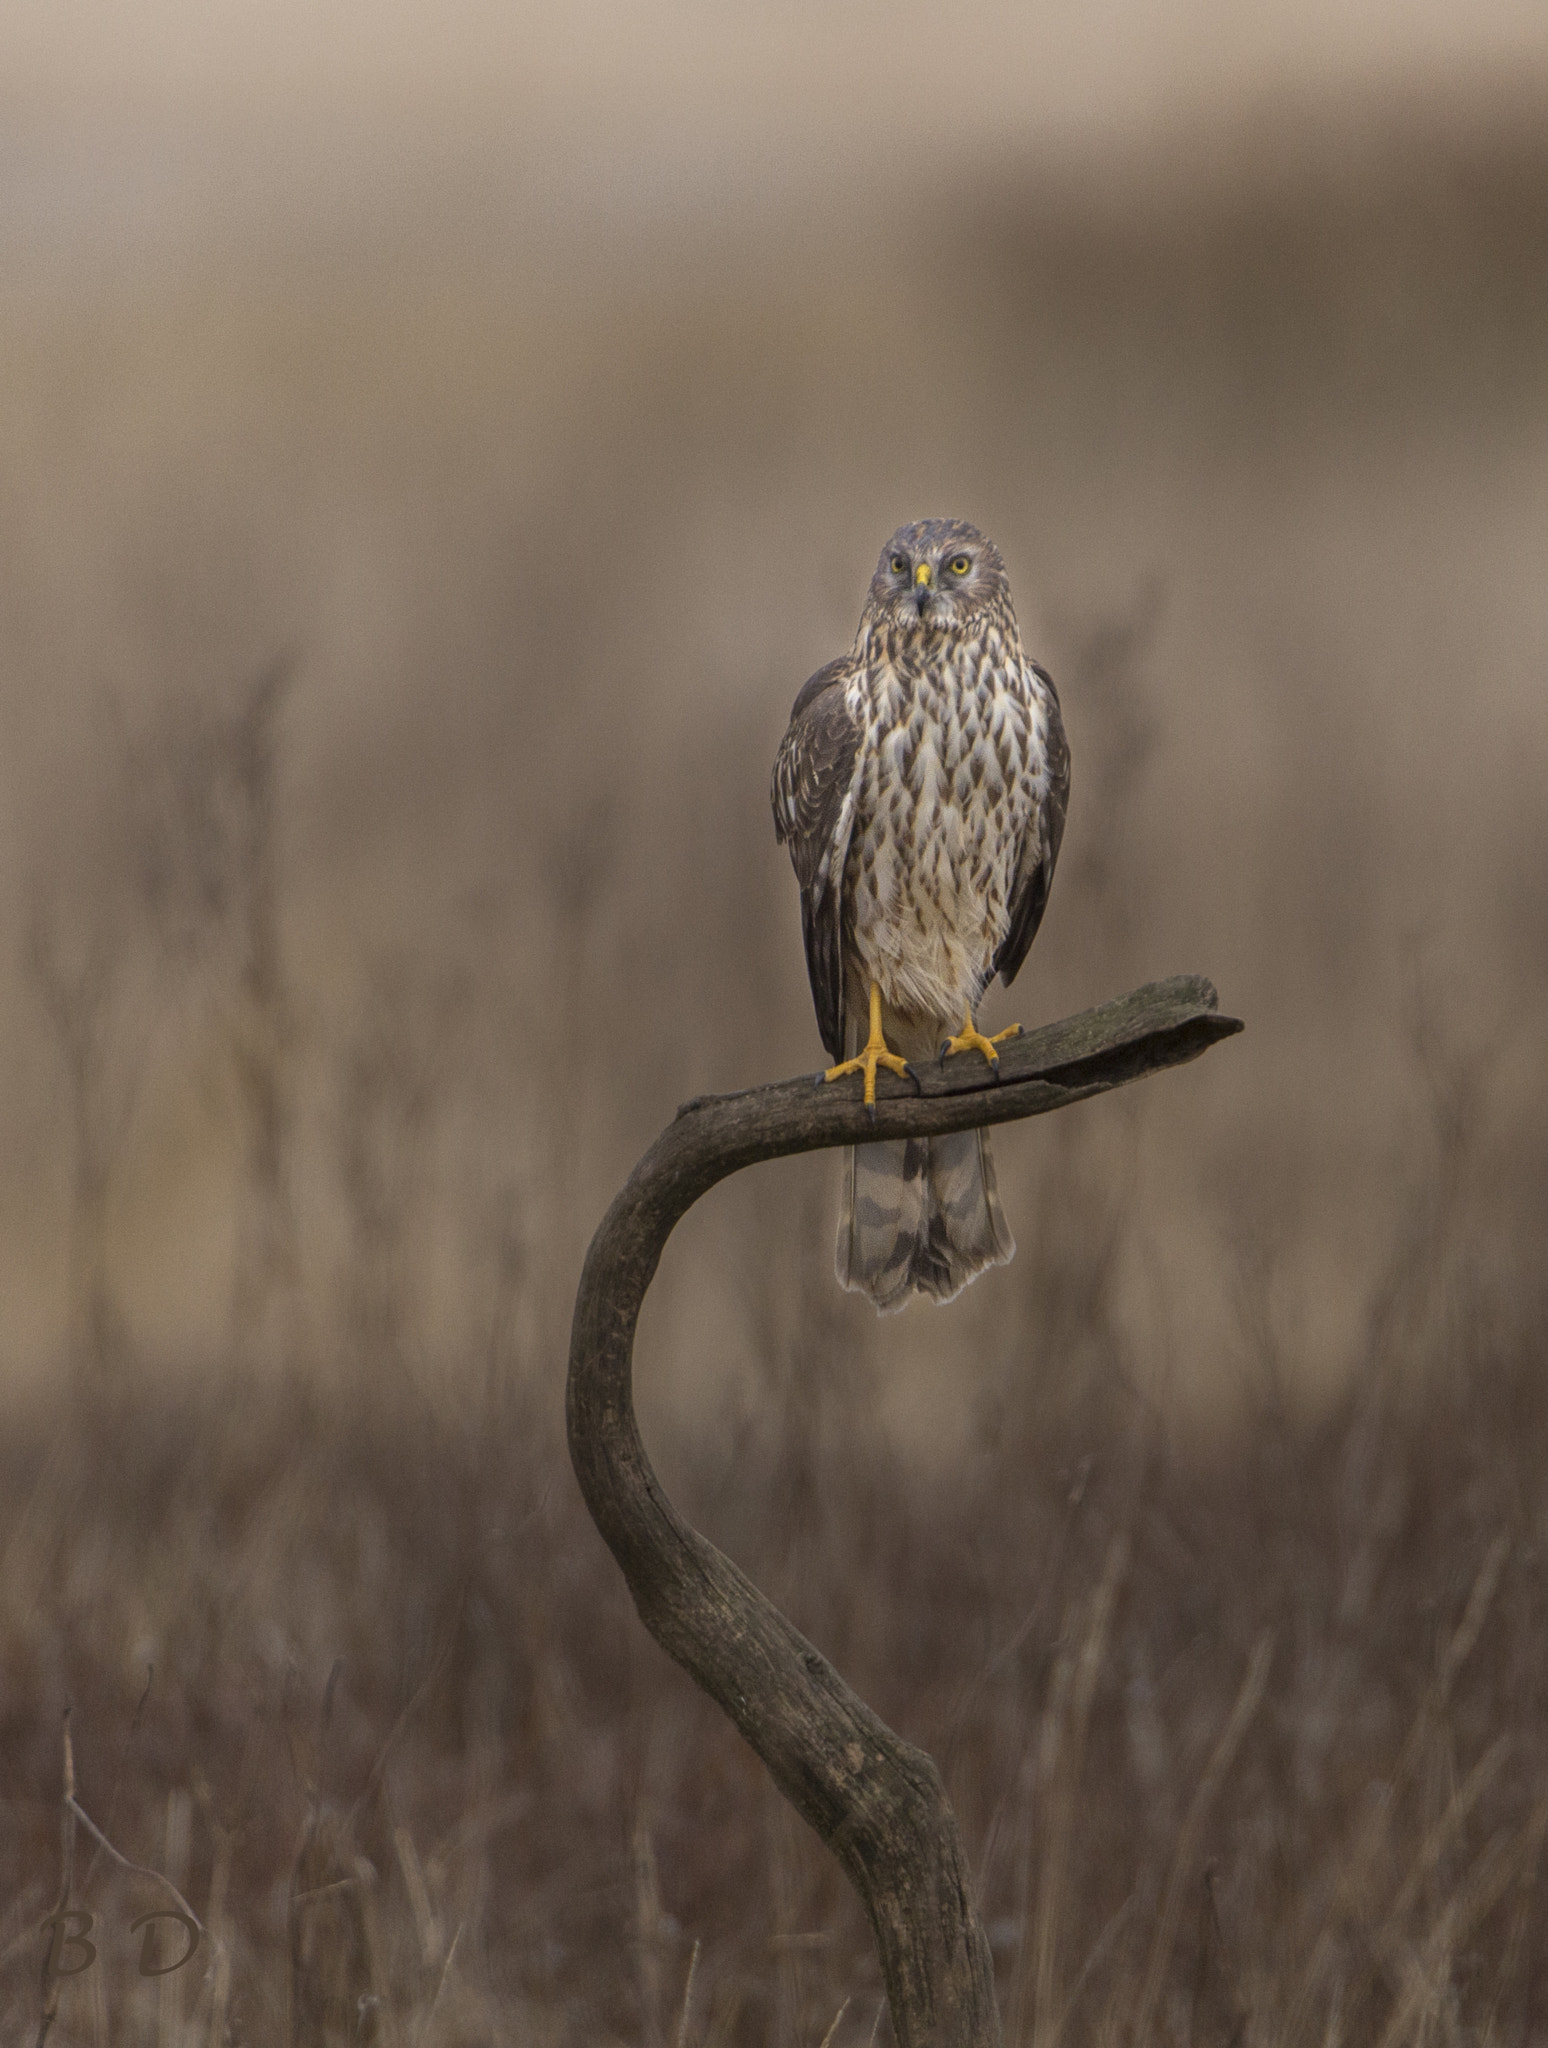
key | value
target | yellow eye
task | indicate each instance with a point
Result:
(899, 564)
(959, 565)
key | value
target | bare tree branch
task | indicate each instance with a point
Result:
(877, 1802)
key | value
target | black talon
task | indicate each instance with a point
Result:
(870, 1110)
(941, 1055)
(918, 1084)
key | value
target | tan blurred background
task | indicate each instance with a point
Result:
(540, 385)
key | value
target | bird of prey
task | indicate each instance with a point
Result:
(921, 788)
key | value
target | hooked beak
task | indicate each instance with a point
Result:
(923, 591)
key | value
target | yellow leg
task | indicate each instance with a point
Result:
(971, 1039)
(875, 1053)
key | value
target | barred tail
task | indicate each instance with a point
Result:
(920, 1213)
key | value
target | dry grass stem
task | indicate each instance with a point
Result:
(693, 1971)
(1063, 1777)
(1224, 1754)
(827, 2039)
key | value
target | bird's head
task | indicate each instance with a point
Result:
(938, 576)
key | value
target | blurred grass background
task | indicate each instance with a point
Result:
(434, 456)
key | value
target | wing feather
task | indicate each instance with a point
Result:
(813, 815)
(1040, 848)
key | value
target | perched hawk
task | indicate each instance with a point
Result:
(922, 787)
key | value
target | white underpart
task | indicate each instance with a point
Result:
(933, 853)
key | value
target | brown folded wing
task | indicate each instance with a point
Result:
(812, 774)
(1040, 848)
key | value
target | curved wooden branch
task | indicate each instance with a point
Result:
(877, 1802)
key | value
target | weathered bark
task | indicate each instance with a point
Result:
(877, 1802)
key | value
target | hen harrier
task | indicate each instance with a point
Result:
(922, 788)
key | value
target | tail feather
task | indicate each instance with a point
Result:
(920, 1215)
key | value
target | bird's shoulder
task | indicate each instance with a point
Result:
(833, 675)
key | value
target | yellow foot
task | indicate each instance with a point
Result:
(971, 1039)
(873, 1054)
